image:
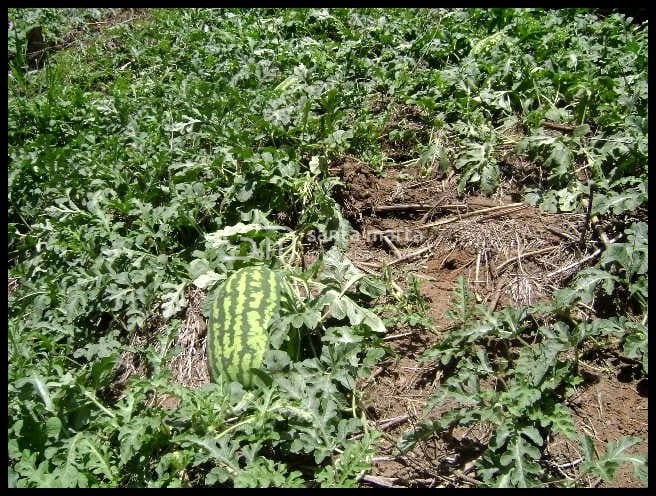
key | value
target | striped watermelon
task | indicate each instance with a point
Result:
(237, 335)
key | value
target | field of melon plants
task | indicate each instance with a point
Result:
(327, 248)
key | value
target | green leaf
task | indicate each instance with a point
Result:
(462, 302)
(533, 434)
(588, 279)
(565, 298)
(208, 279)
(581, 130)
(263, 472)
(174, 301)
(311, 318)
(217, 475)
(500, 437)
(98, 461)
(615, 456)
(53, 427)
(562, 421)
(519, 398)
(632, 255)
(106, 346)
(520, 464)
(342, 334)
(478, 166)
(41, 389)
(636, 343)
(617, 202)
(421, 432)
(337, 304)
(559, 160)
(219, 238)
(372, 286)
(276, 360)
(588, 448)
(549, 202)
(351, 462)
(285, 84)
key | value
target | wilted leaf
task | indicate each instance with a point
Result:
(173, 301)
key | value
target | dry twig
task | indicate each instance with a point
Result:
(392, 422)
(501, 266)
(574, 264)
(380, 481)
(558, 127)
(397, 336)
(561, 234)
(392, 247)
(410, 256)
(400, 206)
(486, 212)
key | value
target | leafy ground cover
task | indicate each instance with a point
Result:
(456, 201)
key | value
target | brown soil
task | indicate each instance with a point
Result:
(611, 406)
(509, 256)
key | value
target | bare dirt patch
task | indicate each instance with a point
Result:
(413, 223)
(613, 404)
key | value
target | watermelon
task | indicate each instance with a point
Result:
(237, 336)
